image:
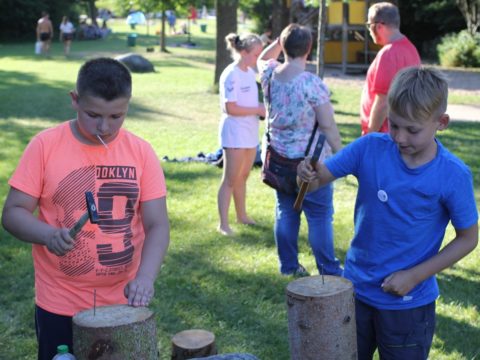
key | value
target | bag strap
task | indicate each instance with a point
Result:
(315, 127)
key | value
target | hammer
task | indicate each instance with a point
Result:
(304, 185)
(91, 214)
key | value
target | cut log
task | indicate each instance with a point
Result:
(115, 332)
(321, 319)
(231, 356)
(189, 344)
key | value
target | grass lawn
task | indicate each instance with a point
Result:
(229, 286)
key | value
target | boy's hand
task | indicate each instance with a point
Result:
(399, 283)
(305, 170)
(139, 291)
(60, 242)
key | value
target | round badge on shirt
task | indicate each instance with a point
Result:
(382, 195)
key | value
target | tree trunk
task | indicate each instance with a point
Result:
(322, 24)
(93, 11)
(280, 17)
(193, 343)
(115, 332)
(470, 10)
(226, 23)
(163, 47)
(321, 319)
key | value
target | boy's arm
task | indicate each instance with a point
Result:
(18, 219)
(140, 290)
(315, 177)
(326, 123)
(402, 282)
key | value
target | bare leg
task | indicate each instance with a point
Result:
(240, 188)
(232, 159)
(46, 47)
(67, 47)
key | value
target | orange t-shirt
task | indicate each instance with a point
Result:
(57, 169)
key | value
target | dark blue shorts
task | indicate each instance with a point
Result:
(52, 330)
(398, 334)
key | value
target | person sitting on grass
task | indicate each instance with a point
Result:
(409, 188)
(120, 257)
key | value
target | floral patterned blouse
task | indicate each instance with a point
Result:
(291, 116)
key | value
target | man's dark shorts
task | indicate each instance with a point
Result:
(44, 36)
(398, 334)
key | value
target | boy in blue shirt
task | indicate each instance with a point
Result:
(409, 188)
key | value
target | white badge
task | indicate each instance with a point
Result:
(382, 195)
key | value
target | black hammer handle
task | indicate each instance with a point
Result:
(79, 225)
(91, 214)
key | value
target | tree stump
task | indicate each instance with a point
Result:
(189, 344)
(321, 319)
(115, 332)
(231, 356)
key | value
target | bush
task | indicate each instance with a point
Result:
(460, 49)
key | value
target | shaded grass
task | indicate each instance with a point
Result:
(229, 286)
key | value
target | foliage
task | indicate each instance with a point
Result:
(471, 12)
(259, 11)
(18, 18)
(424, 22)
(462, 49)
(435, 18)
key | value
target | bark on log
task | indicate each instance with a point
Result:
(189, 344)
(115, 332)
(321, 319)
(231, 356)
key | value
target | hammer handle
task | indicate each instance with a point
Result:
(300, 196)
(79, 225)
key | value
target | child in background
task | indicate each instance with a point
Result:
(121, 256)
(239, 126)
(67, 31)
(409, 188)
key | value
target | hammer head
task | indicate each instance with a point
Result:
(91, 207)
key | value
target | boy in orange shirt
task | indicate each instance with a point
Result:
(121, 256)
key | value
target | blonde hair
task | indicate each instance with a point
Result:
(237, 43)
(418, 93)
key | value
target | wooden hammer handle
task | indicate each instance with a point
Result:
(300, 196)
(79, 225)
(304, 185)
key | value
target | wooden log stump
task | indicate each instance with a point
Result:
(115, 332)
(321, 319)
(231, 356)
(189, 344)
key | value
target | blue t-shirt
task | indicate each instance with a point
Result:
(400, 215)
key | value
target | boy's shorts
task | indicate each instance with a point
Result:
(398, 334)
(52, 330)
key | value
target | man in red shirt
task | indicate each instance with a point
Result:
(397, 53)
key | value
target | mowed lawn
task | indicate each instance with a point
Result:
(229, 286)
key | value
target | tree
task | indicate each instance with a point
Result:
(425, 22)
(471, 12)
(18, 19)
(280, 15)
(226, 23)
(322, 20)
(92, 11)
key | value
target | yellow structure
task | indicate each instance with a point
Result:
(347, 39)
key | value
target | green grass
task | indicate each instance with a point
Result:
(229, 286)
